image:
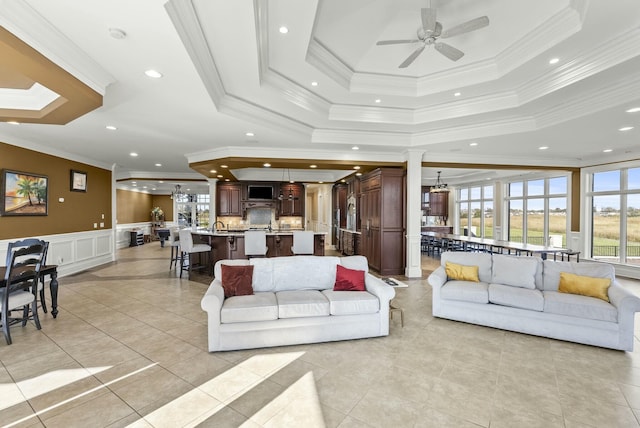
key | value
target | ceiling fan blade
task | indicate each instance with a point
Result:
(428, 19)
(395, 42)
(412, 57)
(466, 27)
(449, 51)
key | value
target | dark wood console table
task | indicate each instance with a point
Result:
(52, 271)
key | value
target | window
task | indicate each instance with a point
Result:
(191, 207)
(475, 211)
(615, 215)
(537, 211)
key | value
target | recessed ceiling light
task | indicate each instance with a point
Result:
(144, 187)
(266, 165)
(158, 164)
(378, 100)
(249, 134)
(320, 182)
(355, 148)
(219, 175)
(153, 74)
(153, 188)
(283, 30)
(117, 33)
(226, 179)
(607, 150)
(13, 122)
(554, 61)
(633, 110)
(457, 94)
(213, 171)
(625, 128)
(314, 83)
(358, 174)
(133, 182)
(356, 167)
(160, 181)
(543, 148)
(473, 144)
(343, 181)
(111, 127)
(224, 166)
(313, 166)
(133, 154)
(188, 190)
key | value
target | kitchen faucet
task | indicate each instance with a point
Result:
(216, 223)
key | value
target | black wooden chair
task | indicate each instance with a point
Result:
(24, 261)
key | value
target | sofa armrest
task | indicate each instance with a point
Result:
(384, 292)
(212, 303)
(437, 278)
(623, 299)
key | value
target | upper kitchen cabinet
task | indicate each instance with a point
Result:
(435, 203)
(292, 202)
(228, 199)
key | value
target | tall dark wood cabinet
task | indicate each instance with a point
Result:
(382, 212)
(228, 195)
(295, 205)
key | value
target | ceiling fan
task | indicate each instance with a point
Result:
(431, 31)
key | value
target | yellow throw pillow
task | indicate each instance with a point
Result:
(461, 272)
(584, 285)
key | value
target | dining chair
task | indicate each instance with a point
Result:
(28, 242)
(187, 248)
(303, 242)
(255, 243)
(24, 261)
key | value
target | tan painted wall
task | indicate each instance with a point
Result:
(133, 207)
(78, 212)
(165, 203)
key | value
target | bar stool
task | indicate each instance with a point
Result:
(187, 248)
(302, 242)
(255, 243)
(174, 243)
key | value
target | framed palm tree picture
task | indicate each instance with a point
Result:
(23, 193)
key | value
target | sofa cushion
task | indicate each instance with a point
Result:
(217, 269)
(552, 271)
(304, 272)
(261, 306)
(351, 302)
(302, 303)
(461, 272)
(467, 291)
(355, 262)
(482, 260)
(516, 297)
(579, 306)
(236, 280)
(515, 271)
(584, 285)
(262, 274)
(349, 279)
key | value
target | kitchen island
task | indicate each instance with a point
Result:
(230, 245)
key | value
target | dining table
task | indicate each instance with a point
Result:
(52, 272)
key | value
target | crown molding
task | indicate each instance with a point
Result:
(295, 93)
(261, 18)
(185, 20)
(25, 23)
(320, 57)
(368, 138)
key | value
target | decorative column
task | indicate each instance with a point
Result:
(413, 267)
(212, 201)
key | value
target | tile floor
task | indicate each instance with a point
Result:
(129, 349)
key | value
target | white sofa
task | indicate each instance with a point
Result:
(500, 300)
(294, 303)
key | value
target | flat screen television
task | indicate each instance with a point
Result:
(260, 192)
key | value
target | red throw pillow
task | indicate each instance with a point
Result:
(236, 280)
(349, 279)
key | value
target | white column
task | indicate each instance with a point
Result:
(413, 267)
(212, 201)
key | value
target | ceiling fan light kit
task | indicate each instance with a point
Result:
(431, 31)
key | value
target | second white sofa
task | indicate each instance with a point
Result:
(521, 294)
(294, 303)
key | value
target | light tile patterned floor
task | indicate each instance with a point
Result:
(129, 349)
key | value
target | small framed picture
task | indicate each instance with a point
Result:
(78, 181)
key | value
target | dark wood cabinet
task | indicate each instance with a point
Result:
(228, 199)
(382, 210)
(339, 220)
(435, 203)
(293, 206)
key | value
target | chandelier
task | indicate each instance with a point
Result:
(439, 186)
(177, 192)
(281, 196)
